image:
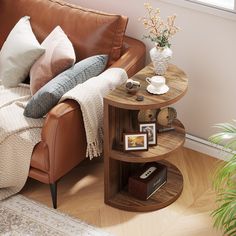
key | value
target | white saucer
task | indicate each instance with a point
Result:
(151, 89)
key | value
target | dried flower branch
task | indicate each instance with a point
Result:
(159, 31)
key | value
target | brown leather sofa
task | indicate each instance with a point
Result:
(63, 143)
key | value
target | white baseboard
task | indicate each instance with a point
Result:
(206, 147)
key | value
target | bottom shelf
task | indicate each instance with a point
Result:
(166, 195)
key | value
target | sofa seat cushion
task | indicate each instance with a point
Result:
(91, 32)
(59, 55)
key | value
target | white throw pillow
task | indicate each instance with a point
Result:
(19, 52)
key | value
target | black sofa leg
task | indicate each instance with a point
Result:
(53, 188)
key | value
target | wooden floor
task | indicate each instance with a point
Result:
(81, 195)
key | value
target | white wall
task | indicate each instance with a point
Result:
(205, 49)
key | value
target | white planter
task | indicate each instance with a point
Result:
(160, 58)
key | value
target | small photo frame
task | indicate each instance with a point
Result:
(135, 142)
(150, 129)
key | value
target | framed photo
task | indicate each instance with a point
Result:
(135, 142)
(150, 129)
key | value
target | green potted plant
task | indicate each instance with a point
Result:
(225, 181)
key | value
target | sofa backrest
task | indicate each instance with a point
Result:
(91, 32)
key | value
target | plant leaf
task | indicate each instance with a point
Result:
(225, 181)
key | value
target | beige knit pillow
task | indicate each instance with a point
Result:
(59, 56)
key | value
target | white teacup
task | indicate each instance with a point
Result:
(156, 81)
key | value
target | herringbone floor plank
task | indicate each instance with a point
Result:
(80, 194)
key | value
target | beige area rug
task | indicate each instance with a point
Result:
(21, 216)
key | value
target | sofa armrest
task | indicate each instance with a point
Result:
(63, 132)
(133, 56)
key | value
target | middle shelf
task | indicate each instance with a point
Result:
(167, 142)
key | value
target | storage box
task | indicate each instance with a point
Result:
(145, 182)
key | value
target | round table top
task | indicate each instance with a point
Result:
(176, 80)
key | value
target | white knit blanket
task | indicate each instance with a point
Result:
(90, 95)
(18, 136)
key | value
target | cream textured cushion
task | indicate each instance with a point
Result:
(20, 50)
(59, 56)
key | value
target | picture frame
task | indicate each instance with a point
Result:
(151, 129)
(135, 141)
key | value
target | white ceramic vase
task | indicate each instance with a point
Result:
(160, 58)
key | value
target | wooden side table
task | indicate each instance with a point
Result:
(120, 114)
